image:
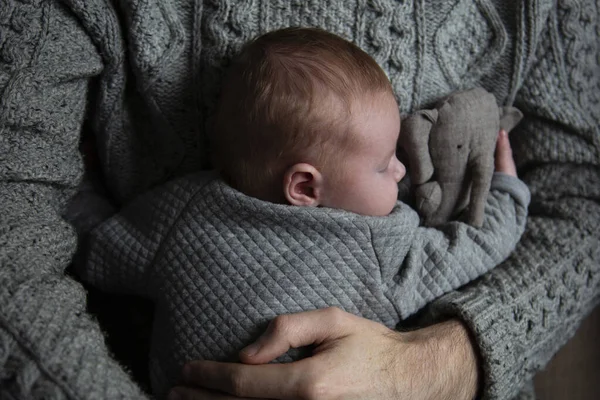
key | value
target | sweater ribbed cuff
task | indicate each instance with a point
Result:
(492, 337)
(524, 310)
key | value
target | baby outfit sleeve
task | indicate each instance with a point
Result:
(120, 251)
(442, 259)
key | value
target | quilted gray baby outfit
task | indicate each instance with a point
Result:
(220, 265)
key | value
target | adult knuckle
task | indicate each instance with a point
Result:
(316, 389)
(237, 383)
(336, 315)
(280, 324)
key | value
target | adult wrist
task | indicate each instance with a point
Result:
(451, 358)
(462, 350)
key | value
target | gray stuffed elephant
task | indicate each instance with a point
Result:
(450, 151)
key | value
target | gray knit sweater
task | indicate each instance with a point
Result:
(144, 74)
(220, 265)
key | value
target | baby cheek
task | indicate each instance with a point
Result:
(391, 193)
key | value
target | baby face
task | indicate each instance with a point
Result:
(367, 182)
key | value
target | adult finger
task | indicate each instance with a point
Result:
(185, 393)
(504, 161)
(273, 381)
(293, 331)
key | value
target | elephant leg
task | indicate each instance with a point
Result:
(481, 173)
(428, 198)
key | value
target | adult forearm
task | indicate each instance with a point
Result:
(522, 312)
(50, 347)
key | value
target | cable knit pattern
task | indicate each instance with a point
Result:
(579, 23)
(563, 88)
(392, 41)
(482, 38)
(152, 69)
(21, 30)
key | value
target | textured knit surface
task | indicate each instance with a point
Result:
(61, 61)
(220, 265)
(49, 347)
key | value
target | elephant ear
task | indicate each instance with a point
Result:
(509, 117)
(414, 139)
(430, 115)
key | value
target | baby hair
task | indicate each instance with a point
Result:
(288, 98)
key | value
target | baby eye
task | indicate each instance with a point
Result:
(387, 166)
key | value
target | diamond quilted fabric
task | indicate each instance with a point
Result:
(220, 265)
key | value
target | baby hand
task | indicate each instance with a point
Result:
(504, 158)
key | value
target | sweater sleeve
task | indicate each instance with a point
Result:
(120, 251)
(522, 312)
(444, 258)
(49, 347)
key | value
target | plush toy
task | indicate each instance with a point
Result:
(450, 151)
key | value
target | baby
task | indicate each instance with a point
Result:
(302, 213)
(308, 119)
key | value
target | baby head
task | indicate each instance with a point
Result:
(309, 119)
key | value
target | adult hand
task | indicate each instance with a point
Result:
(504, 158)
(354, 358)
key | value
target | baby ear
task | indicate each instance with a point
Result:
(302, 185)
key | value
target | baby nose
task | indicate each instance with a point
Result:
(399, 171)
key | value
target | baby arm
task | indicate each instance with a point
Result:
(443, 259)
(120, 251)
